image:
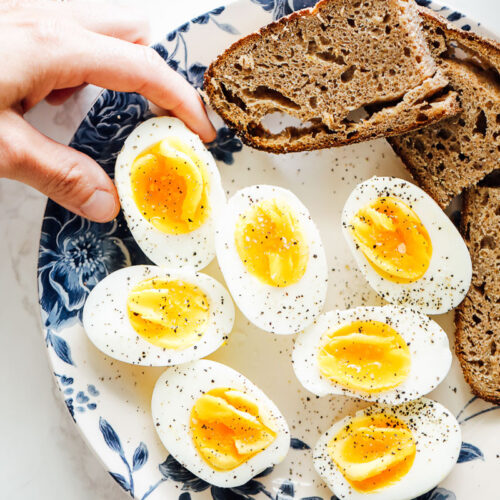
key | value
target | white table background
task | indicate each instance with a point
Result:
(42, 453)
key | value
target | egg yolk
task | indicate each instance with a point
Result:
(393, 239)
(373, 452)
(170, 187)
(168, 313)
(365, 356)
(271, 244)
(228, 428)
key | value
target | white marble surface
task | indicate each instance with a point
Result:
(43, 455)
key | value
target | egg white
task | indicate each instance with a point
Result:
(438, 440)
(426, 340)
(107, 325)
(174, 395)
(280, 310)
(448, 277)
(190, 250)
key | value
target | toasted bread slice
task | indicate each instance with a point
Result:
(477, 341)
(348, 70)
(458, 152)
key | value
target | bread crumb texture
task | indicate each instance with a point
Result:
(347, 70)
(477, 342)
(458, 152)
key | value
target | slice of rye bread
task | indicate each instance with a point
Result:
(477, 341)
(349, 70)
(458, 152)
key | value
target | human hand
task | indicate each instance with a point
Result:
(48, 50)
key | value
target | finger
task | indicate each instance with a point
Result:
(67, 176)
(117, 20)
(122, 66)
(59, 96)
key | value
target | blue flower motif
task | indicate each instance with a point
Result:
(92, 390)
(226, 143)
(171, 36)
(437, 494)
(469, 452)
(113, 441)
(204, 18)
(282, 8)
(286, 491)
(75, 254)
(66, 380)
(177, 56)
(194, 75)
(210, 16)
(60, 346)
(303, 4)
(102, 134)
(267, 5)
(297, 444)
(71, 408)
(81, 398)
(172, 469)
(139, 458)
(455, 16)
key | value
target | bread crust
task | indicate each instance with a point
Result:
(443, 184)
(452, 107)
(474, 213)
(485, 46)
(449, 105)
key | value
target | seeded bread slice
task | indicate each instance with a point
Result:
(477, 341)
(458, 152)
(348, 70)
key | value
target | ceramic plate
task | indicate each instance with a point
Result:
(110, 400)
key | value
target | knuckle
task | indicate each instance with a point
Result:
(64, 181)
(12, 150)
(151, 58)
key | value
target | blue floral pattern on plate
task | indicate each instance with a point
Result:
(82, 401)
(76, 254)
(280, 8)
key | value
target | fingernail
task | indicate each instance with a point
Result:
(100, 206)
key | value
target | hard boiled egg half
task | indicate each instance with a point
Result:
(407, 248)
(389, 452)
(272, 258)
(147, 315)
(170, 192)
(217, 423)
(386, 354)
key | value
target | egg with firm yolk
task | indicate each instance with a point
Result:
(147, 315)
(406, 247)
(217, 423)
(170, 192)
(389, 452)
(272, 258)
(386, 354)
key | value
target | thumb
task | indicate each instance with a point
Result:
(67, 176)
